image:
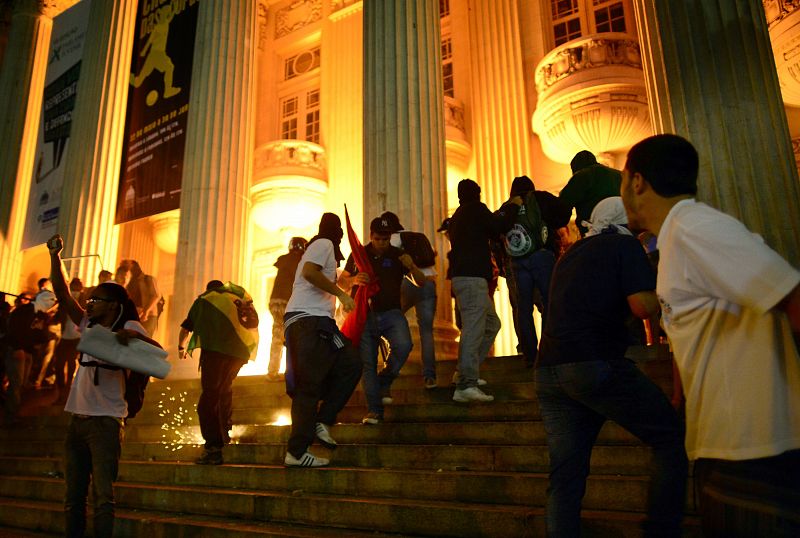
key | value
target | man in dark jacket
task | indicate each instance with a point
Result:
(471, 228)
(529, 276)
(590, 183)
(281, 291)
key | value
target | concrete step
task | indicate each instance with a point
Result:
(18, 515)
(426, 518)
(627, 460)
(604, 492)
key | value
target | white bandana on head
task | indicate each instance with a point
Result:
(608, 213)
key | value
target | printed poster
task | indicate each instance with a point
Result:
(158, 102)
(58, 103)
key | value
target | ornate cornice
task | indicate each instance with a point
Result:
(297, 15)
(777, 10)
(581, 55)
(261, 14)
(290, 157)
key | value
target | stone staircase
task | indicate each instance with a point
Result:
(434, 468)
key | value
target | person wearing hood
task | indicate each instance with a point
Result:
(529, 275)
(582, 377)
(322, 365)
(590, 183)
(471, 228)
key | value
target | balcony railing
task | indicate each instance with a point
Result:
(290, 158)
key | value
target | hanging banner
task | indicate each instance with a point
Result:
(158, 102)
(58, 102)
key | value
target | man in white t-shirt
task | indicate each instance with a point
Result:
(730, 305)
(96, 402)
(322, 366)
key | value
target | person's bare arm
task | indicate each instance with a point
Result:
(416, 273)
(313, 274)
(65, 299)
(643, 304)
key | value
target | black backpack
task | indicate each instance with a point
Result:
(135, 384)
(529, 232)
(416, 245)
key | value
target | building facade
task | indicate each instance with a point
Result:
(302, 106)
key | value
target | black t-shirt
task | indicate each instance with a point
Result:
(588, 302)
(284, 280)
(390, 272)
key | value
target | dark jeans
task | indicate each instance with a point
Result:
(92, 449)
(575, 400)
(758, 497)
(423, 299)
(215, 407)
(531, 274)
(18, 367)
(321, 373)
(393, 326)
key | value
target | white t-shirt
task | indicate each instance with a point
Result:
(107, 398)
(717, 284)
(306, 297)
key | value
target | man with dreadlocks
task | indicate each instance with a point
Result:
(96, 401)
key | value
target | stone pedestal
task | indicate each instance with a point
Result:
(21, 86)
(213, 237)
(92, 166)
(404, 140)
(711, 78)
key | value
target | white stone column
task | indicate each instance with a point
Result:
(404, 141)
(21, 87)
(500, 129)
(92, 164)
(711, 78)
(212, 236)
(342, 120)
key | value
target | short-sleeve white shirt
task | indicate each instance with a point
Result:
(717, 284)
(107, 397)
(306, 297)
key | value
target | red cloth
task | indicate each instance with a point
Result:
(354, 323)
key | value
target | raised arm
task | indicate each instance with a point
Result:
(313, 274)
(65, 300)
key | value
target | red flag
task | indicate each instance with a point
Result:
(354, 323)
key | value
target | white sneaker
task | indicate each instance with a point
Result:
(456, 377)
(471, 394)
(324, 436)
(306, 460)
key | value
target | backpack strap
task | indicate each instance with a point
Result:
(96, 365)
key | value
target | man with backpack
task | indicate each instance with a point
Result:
(281, 292)
(471, 229)
(422, 298)
(97, 401)
(385, 318)
(532, 248)
(225, 327)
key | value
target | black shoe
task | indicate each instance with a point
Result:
(210, 457)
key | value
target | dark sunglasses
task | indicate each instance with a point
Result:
(92, 300)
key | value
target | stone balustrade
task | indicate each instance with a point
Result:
(783, 20)
(290, 158)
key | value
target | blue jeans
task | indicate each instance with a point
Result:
(92, 450)
(479, 326)
(575, 400)
(393, 326)
(531, 273)
(423, 299)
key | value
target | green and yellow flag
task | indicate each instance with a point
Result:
(225, 321)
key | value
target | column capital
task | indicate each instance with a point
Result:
(46, 8)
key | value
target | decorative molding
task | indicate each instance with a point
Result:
(784, 35)
(777, 10)
(580, 55)
(341, 9)
(796, 149)
(290, 157)
(297, 15)
(261, 16)
(454, 115)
